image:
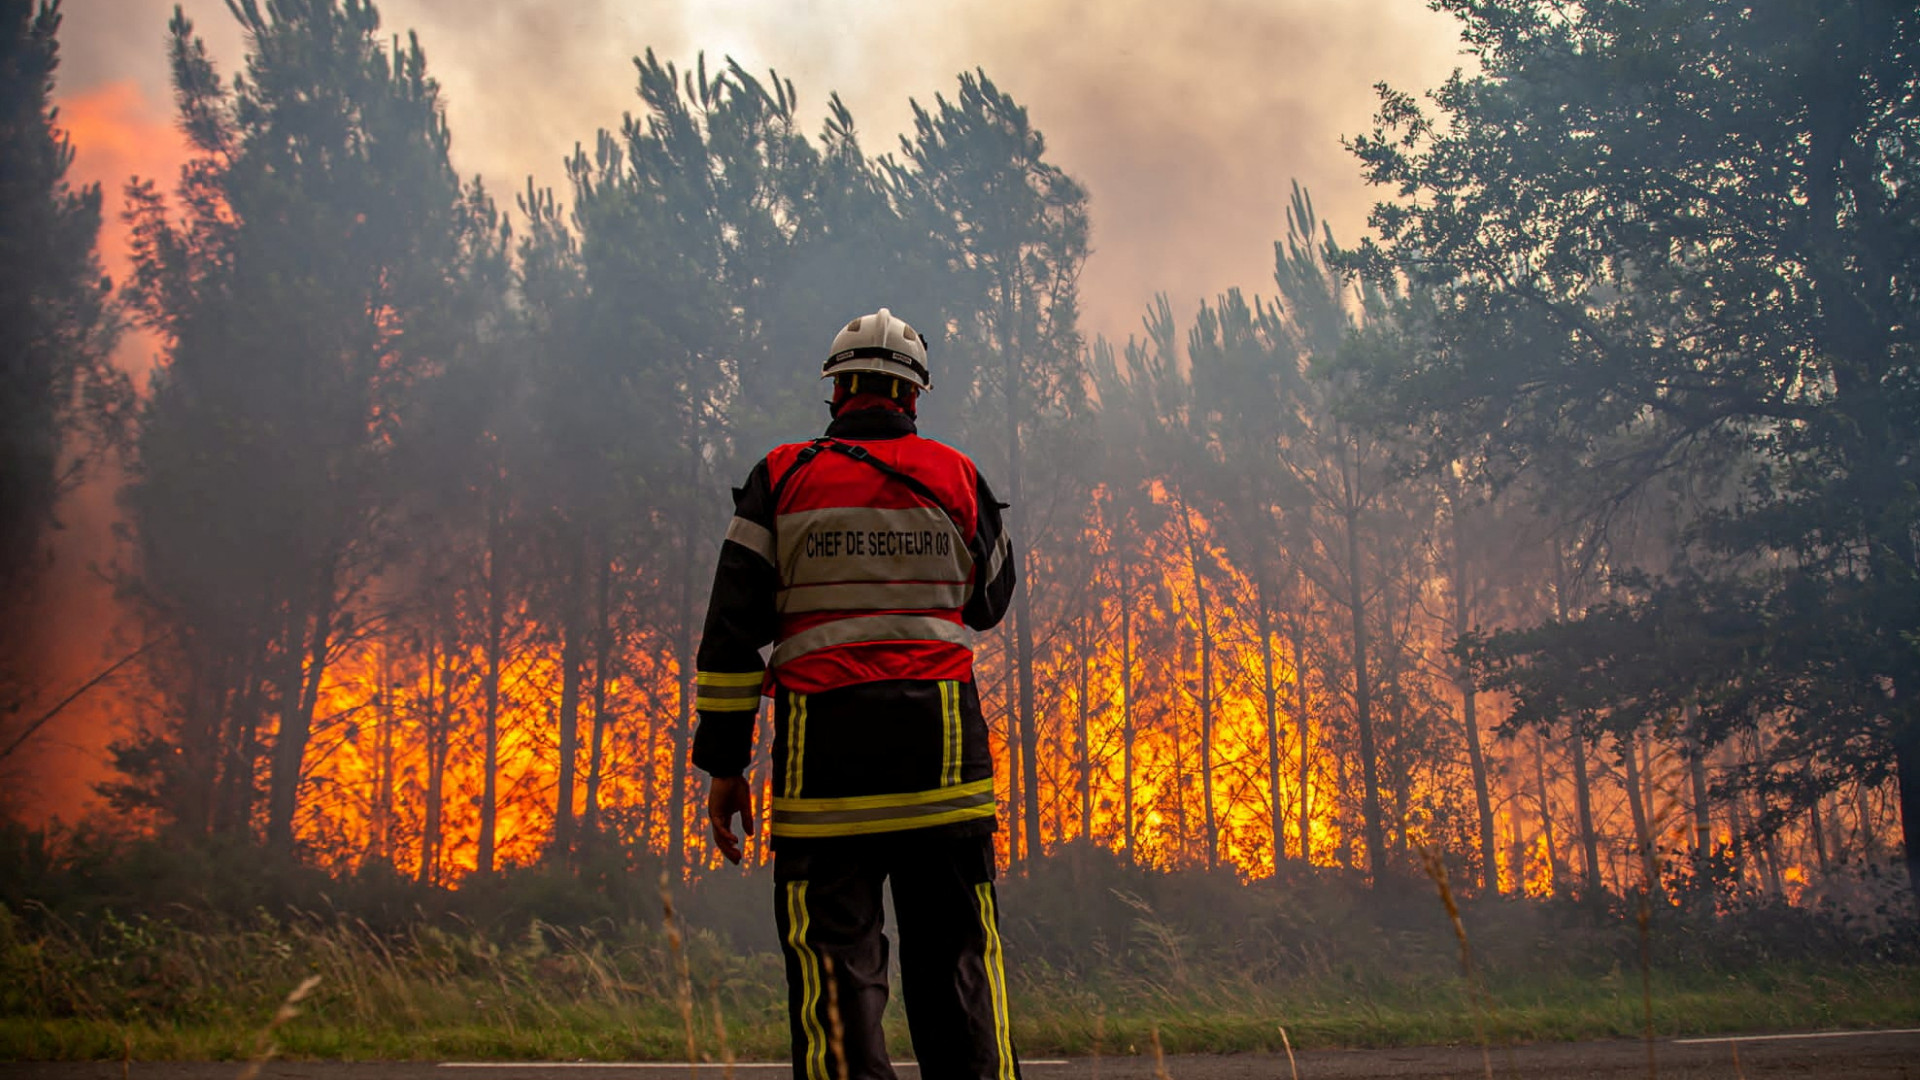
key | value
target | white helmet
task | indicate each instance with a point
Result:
(881, 343)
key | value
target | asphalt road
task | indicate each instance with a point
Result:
(1851, 1056)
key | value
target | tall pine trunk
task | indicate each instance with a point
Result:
(572, 630)
(1021, 717)
(1697, 782)
(1363, 706)
(1086, 751)
(1628, 748)
(1195, 560)
(683, 666)
(602, 658)
(439, 705)
(1463, 616)
(490, 736)
(1276, 811)
(1301, 666)
(1126, 711)
(296, 723)
(1546, 815)
(1583, 811)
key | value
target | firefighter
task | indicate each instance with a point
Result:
(865, 558)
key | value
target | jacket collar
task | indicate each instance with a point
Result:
(876, 423)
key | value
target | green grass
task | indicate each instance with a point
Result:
(153, 991)
(1101, 958)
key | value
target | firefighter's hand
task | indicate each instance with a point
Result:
(727, 796)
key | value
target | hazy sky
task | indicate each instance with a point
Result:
(1185, 121)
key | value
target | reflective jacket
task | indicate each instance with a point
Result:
(865, 558)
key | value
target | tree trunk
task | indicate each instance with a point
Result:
(683, 664)
(602, 659)
(439, 705)
(1637, 806)
(1086, 752)
(1363, 707)
(1583, 811)
(1298, 625)
(296, 723)
(1126, 711)
(1195, 560)
(1546, 814)
(382, 840)
(1463, 618)
(1276, 811)
(572, 630)
(490, 738)
(1817, 828)
(1906, 759)
(1701, 792)
(1022, 628)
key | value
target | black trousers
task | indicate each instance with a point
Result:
(827, 907)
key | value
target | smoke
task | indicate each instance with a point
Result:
(1186, 122)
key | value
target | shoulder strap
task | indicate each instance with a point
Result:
(859, 453)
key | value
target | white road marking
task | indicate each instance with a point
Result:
(665, 1064)
(1799, 1035)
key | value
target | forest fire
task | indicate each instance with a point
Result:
(419, 505)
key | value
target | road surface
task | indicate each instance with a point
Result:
(1829, 1056)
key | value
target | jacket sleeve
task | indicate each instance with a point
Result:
(993, 561)
(740, 620)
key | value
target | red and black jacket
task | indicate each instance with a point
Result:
(865, 558)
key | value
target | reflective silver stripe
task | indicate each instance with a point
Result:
(1001, 549)
(872, 596)
(859, 628)
(864, 543)
(754, 538)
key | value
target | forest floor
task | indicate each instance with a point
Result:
(1833, 1056)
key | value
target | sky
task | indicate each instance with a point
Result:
(1186, 122)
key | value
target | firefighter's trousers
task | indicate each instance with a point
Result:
(828, 909)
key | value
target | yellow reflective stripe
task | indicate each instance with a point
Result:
(723, 704)
(730, 679)
(796, 741)
(905, 798)
(996, 978)
(862, 828)
(950, 727)
(814, 1057)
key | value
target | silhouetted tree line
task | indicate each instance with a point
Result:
(1571, 520)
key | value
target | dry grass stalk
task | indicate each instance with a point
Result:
(1436, 867)
(290, 1008)
(1738, 1072)
(1292, 1065)
(1159, 1058)
(836, 1031)
(1644, 916)
(720, 1033)
(1099, 1035)
(1651, 872)
(682, 969)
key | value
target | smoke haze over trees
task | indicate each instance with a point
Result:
(1566, 525)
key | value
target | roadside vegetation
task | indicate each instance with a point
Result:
(149, 953)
